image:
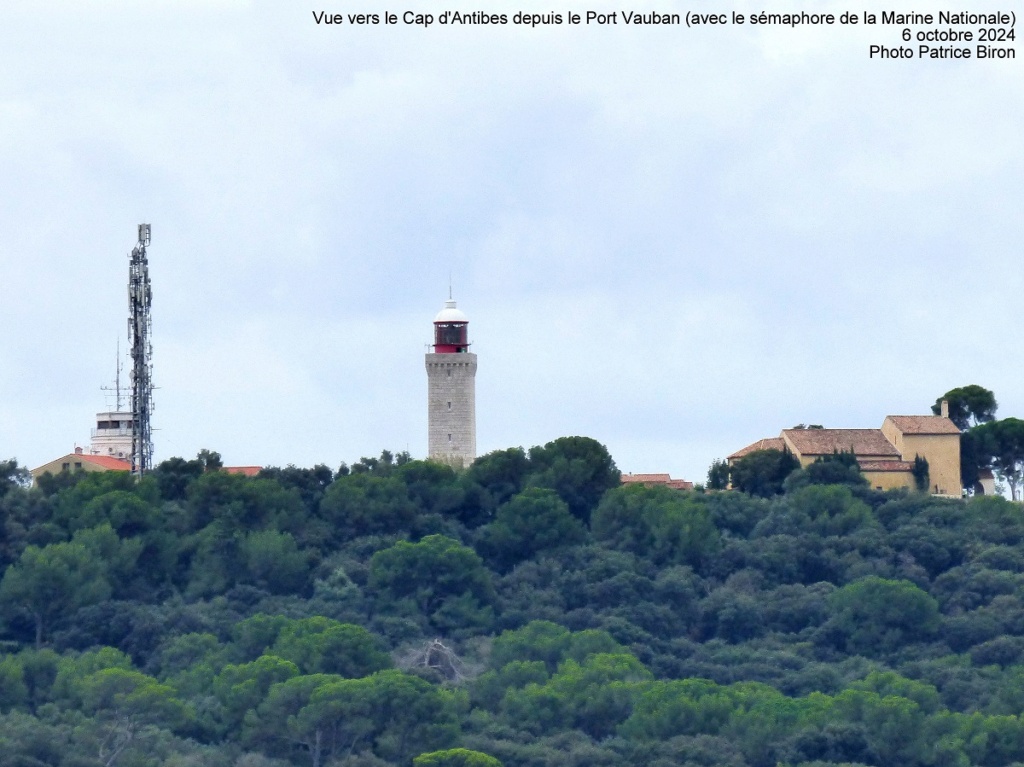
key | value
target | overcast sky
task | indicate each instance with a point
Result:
(673, 240)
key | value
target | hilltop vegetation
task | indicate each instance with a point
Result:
(529, 611)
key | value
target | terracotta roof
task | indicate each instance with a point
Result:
(248, 471)
(861, 442)
(627, 478)
(657, 479)
(106, 461)
(923, 424)
(886, 465)
(768, 443)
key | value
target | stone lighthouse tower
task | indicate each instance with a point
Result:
(451, 390)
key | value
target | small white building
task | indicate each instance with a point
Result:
(112, 435)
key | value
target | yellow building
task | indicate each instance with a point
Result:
(936, 439)
(886, 455)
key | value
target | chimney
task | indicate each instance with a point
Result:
(78, 450)
(944, 409)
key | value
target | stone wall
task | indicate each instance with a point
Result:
(451, 408)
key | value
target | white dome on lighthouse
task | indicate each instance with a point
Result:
(450, 313)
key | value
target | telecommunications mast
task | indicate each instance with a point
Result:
(140, 325)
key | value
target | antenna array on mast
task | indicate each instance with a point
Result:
(117, 380)
(140, 326)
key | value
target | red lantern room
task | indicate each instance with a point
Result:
(451, 330)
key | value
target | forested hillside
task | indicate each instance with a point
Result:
(527, 612)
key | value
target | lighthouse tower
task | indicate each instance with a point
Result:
(451, 390)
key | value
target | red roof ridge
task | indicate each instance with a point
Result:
(861, 442)
(923, 424)
(248, 471)
(767, 443)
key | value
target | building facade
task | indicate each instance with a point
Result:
(112, 435)
(885, 456)
(81, 461)
(451, 390)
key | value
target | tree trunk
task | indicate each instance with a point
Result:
(316, 747)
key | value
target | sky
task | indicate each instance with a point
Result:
(673, 240)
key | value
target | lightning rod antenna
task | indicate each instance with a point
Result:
(140, 325)
(117, 375)
(117, 378)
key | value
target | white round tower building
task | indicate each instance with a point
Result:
(451, 390)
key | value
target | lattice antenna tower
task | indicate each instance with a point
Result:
(140, 326)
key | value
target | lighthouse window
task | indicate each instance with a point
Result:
(449, 405)
(451, 335)
(449, 372)
(449, 437)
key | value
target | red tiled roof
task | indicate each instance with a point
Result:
(248, 471)
(627, 478)
(886, 465)
(923, 424)
(768, 443)
(657, 479)
(860, 442)
(106, 461)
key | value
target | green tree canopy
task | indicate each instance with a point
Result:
(320, 645)
(127, 700)
(365, 504)
(437, 575)
(968, 405)
(391, 714)
(669, 526)
(243, 687)
(433, 487)
(274, 562)
(877, 615)
(1001, 443)
(595, 695)
(12, 476)
(831, 509)
(549, 643)
(532, 521)
(501, 473)
(455, 757)
(241, 503)
(174, 475)
(840, 468)
(579, 469)
(48, 583)
(276, 726)
(311, 484)
(718, 475)
(763, 472)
